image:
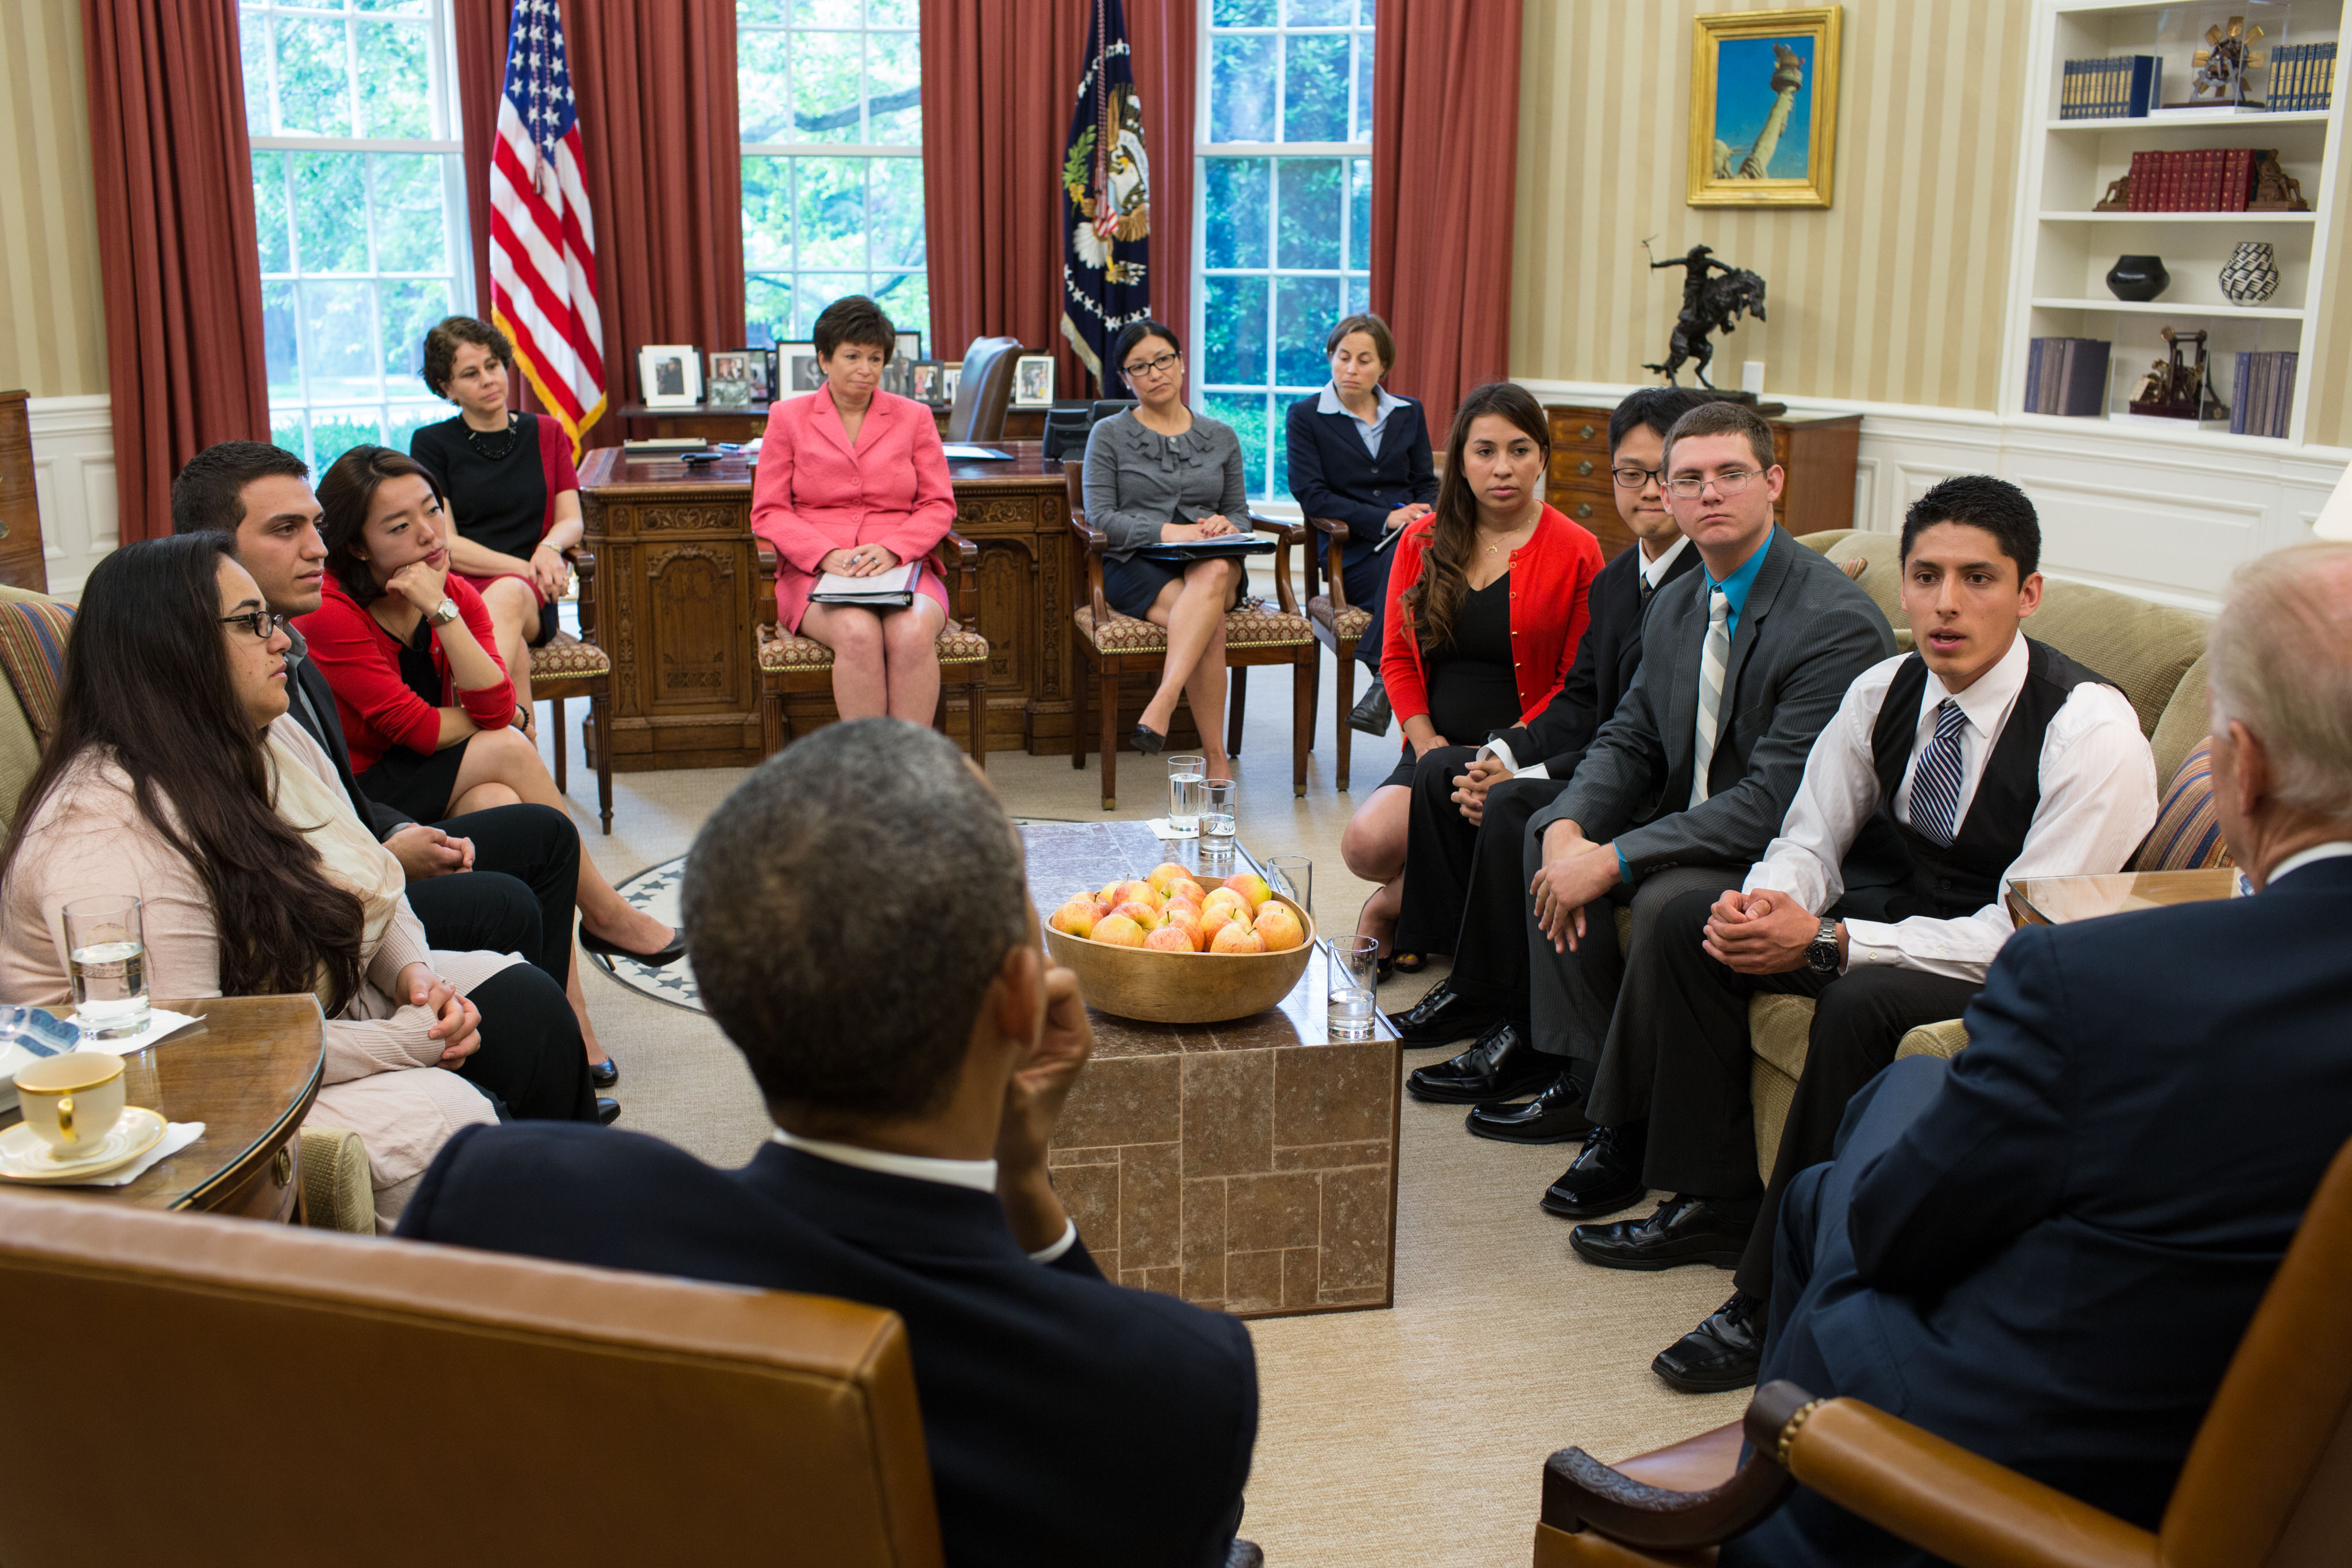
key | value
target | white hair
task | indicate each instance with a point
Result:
(2279, 661)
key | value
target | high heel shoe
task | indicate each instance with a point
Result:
(605, 1073)
(654, 960)
(1148, 741)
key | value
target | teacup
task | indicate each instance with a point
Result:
(72, 1101)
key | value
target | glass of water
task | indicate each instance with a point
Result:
(1217, 815)
(109, 960)
(1293, 876)
(1350, 1002)
(1185, 773)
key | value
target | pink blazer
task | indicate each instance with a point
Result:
(815, 493)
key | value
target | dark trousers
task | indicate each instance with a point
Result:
(1597, 1001)
(1490, 947)
(531, 1058)
(1814, 1277)
(1367, 579)
(1438, 846)
(526, 864)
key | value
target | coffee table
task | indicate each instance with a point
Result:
(2055, 900)
(1248, 1166)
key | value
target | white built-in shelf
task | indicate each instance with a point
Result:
(2180, 217)
(2147, 427)
(2174, 308)
(2200, 122)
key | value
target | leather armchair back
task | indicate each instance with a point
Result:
(983, 390)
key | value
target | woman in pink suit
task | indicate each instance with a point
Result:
(853, 480)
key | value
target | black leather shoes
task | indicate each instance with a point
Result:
(1148, 741)
(1372, 713)
(1721, 1354)
(1683, 1230)
(1555, 1116)
(654, 960)
(1502, 1065)
(1605, 1177)
(605, 1073)
(608, 1111)
(1441, 1017)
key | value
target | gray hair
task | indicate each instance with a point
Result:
(2278, 660)
(846, 907)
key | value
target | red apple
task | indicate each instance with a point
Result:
(1118, 930)
(1170, 939)
(1279, 926)
(1143, 914)
(1077, 917)
(1251, 886)
(1236, 937)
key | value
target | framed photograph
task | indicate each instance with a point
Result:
(670, 375)
(923, 381)
(763, 373)
(951, 375)
(729, 384)
(895, 375)
(910, 347)
(797, 371)
(1033, 380)
(1763, 129)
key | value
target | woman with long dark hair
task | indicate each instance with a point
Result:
(176, 776)
(1486, 604)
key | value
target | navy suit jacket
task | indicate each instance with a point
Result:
(2055, 1262)
(1068, 1419)
(1331, 475)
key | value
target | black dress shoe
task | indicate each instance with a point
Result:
(1721, 1354)
(1683, 1230)
(1373, 714)
(1245, 1554)
(654, 960)
(605, 1073)
(1605, 1177)
(1441, 1017)
(608, 1111)
(1502, 1065)
(1147, 740)
(1555, 1116)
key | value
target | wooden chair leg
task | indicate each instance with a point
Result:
(1343, 694)
(772, 723)
(1078, 711)
(1316, 692)
(976, 709)
(1236, 706)
(1302, 713)
(599, 711)
(1106, 698)
(562, 786)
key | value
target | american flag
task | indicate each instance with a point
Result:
(542, 240)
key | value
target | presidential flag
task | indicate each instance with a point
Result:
(1106, 202)
(542, 240)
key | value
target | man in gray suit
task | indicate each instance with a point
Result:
(1742, 665)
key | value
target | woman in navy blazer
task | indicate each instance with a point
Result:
(1359, 454)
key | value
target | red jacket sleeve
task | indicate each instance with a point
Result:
(1568, 600)
(490, 707)
(773, 516)
(554, 467)
(1401, 672)
(934, 513)
(362, 668)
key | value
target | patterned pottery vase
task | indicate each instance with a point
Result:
(2252, 275)
(2137, 279)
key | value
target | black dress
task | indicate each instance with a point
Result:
(1472, 690)
(499, 486)
(419, 784)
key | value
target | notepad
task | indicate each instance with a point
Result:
(894, 588)
(971, 454)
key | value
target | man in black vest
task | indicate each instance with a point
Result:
(1947, 773)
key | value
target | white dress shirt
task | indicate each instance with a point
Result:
(1384, 402)
(980, 1175)
(2098, 802)
(2334, 849)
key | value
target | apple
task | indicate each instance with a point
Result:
(1279, 926)
(1170, 939)
(1181, 912)
(1136, 892)
(1118, 930)
(1227, 898)
(1164, 873)
(1185, 888)
(1216, 918)
(1251, 886)
(1078, 917)
(1143, 914)
(1236, 937)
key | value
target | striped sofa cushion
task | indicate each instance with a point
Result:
(2187, 832)
(33, 652)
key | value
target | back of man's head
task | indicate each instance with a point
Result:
(846, 907)
(209, 493)
(2278, 660)
(1980, 501)
(1656, 407)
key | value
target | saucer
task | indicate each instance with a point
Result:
(25, 1158)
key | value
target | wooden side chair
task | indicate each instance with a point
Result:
(790, 664)
(2268, 1481)
(568, 667)
(1339, 626)
(1256, 633)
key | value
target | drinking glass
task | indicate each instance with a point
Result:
(1185, 773)
(1349, 1002)
(1217, 815)
(1293, 876)
(109, 960)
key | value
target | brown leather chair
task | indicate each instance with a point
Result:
(2268, 1482)
(984, 391)
(198, 1390)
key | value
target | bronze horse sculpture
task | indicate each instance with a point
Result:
(1714, 295)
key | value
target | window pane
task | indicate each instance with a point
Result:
(253, 43)
(825, 87)
(1235, 317)
(1359, 213)
(270, 228)
(407, 422)
(751, 11)
(330, 211)
(401, 7)
(819, 290)
(825, 13)
(1360, 293)
(1241, 87)
(832, 212)
(893, 71)
(768, 213)
(395, 86)
(1277, 467)
(1245, 411)
(409, 309)
(279, 350)
(1241, 14)
(1364, 84)
(1315, 87)
(411, 235)
(334, 431)
(314, 91)
(1305, 312)
(768, 310)
(1309, 205)
(763, 100)
(905, 298)
(287, 431)
(892, 14)
(1321, 13)
(338, 341)
(896, 225)
(1236, 209)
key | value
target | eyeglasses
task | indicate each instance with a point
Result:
(1634, 479)
(261, 623)
(1136, 372)
(1730, 482)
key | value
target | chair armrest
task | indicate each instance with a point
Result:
(1580, 1492)
(766, 589)
(959, 560)
(583, 566)
(1946, 1038)
(1335, 534)
(1289, 534)
(1093, 542)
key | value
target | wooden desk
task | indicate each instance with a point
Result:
(702, 422)
(249, 1075)
(2056, 899)
(1248, 1166)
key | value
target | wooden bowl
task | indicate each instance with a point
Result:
(1183, 987)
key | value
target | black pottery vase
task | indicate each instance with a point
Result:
(2137, 277)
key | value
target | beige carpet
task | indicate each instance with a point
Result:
(1412, 1436)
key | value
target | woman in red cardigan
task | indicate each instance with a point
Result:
(1486, 604)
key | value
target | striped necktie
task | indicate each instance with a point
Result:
(1713, 658)
(1935, 782)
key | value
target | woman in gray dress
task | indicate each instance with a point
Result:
(1161, 473)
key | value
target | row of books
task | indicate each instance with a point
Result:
(2263, 400)
(2303, 77)
(2067, 376)
(2122, 87)
(2200, 180)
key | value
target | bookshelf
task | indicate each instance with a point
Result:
(2064, 247)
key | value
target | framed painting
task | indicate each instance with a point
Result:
(1763, 127)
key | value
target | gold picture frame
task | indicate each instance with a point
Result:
(1763, 83)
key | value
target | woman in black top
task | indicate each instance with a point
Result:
(514, 495)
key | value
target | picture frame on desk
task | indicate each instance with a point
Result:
(923, 382)
(1033, 380)
(763, 374)
(729, 382)
(670, 375)
(797, 371)
(910, 347)
(1763, 116)
(951, 377)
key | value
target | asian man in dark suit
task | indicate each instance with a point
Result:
(2046, 1249)
(915, 1065)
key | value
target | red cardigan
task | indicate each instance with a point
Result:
(1551, 584)
(361, 662)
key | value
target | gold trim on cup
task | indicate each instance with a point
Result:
(106, 1068)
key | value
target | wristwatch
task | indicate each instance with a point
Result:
(444, 612)
(1822, 953)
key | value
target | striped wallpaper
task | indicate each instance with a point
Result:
(2327, 408)
(1893, 294)
(52, 316)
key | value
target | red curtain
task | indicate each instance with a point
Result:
(655, 80)
(999, 79)
(1444, 285)
(183, 280)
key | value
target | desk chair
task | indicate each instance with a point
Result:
(2268, 1482)
(568, 667)
(268, 1394)
(1256, 633)
(984, 391)
(1339, 626)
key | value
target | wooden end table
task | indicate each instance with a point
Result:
(2056, 899)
